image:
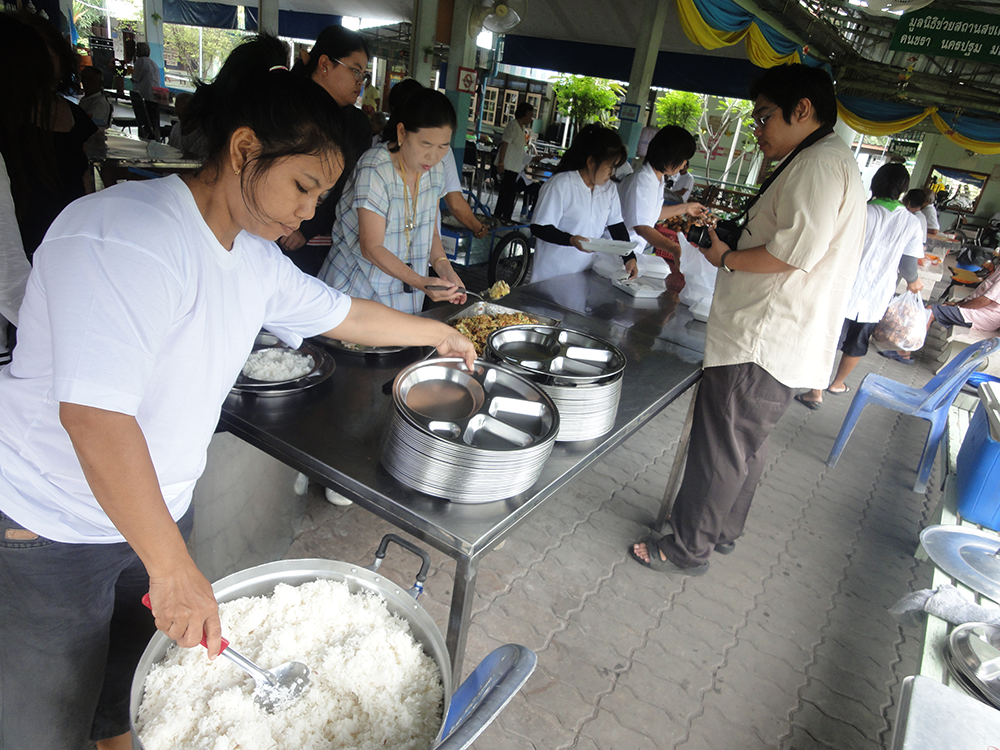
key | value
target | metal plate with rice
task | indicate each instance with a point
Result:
(322, 368)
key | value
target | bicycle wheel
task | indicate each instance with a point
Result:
(510, 259)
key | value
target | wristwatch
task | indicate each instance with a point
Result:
(722, 261)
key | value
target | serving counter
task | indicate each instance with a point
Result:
(333, 432)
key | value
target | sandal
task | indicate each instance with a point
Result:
(898, 357)
(847, 389)
(812, 405)
(662, 566)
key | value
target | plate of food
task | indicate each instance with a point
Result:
(274, 369)
(614, 247)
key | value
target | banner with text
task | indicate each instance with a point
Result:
(946, 33)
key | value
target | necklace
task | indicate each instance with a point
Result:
(409, 210)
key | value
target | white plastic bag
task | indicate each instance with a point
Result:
(904, 324)
(699, 280)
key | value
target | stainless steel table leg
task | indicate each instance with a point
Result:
(677, 470)
(461, 612)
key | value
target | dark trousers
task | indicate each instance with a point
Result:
(736, 409)
(147, 117)
(72, 631)
(506, 195)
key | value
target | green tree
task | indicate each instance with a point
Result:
(584, 99)
(681, 108)
(199, 58)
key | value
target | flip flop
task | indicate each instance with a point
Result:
(662, 566)
(811, 405)
(847, 389)
(898, 357)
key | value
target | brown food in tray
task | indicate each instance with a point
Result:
(478, 327)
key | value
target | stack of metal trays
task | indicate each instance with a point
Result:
(972, 653)
(581, 373)
(468, 437)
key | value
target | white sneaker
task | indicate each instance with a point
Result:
(301, 485)
(336, 498)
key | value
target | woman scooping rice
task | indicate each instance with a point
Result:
(386, 235)
(140, 311)
(579, 202)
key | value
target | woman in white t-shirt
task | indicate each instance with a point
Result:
(579, 202)
(140, 312)
(642, 194)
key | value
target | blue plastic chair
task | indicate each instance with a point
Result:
(930, 402)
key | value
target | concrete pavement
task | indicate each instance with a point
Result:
(784, 644)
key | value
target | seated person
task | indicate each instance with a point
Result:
(980, 311)
(94, 102)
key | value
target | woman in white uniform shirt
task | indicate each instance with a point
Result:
(133, 332)
(641, 192)
(579, 202)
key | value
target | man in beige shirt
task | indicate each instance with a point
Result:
(776, 315)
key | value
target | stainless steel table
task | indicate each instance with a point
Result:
(333, 432)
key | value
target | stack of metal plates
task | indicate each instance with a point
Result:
(582, 374)
(468, 437)
(972, 654)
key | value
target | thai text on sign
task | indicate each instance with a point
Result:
(959, 34)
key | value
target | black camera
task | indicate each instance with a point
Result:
(729, 232)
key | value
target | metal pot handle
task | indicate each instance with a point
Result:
(418, 585)
(485, 692)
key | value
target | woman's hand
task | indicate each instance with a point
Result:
(450, 293)
(185, 608)
(454, 344)
(293, 241)
(632, 266)
(575, 241)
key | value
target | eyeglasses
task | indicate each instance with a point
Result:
(761, 120)
(359, 75)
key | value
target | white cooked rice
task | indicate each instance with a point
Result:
(371, 685)
(277, 364)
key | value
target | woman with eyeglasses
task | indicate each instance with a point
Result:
(337, 63)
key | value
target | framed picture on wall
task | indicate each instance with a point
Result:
(957, 190)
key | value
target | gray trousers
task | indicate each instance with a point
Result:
(72, 630)
(736, 409)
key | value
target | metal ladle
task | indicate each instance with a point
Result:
(274, 687)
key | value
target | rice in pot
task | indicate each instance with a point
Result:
(371, 686)
(276, 364)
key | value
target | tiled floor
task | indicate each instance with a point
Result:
(784, 644)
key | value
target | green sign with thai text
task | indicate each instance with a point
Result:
(946, 33)
(908, 149)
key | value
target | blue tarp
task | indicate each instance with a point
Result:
(293, 23)
(207, 15)
(720, 76)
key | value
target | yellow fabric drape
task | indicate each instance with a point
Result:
(759, 51)
(870, 127)
(981, 147)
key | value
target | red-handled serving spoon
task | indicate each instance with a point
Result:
(273, 687)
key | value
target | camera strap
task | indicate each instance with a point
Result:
(809, 140)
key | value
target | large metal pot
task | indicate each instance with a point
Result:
(464, 716)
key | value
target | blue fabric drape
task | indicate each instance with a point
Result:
(207, 15)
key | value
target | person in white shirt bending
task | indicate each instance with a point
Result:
(142, 306)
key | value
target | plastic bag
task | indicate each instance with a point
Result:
(699, 277)
(904, 324)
